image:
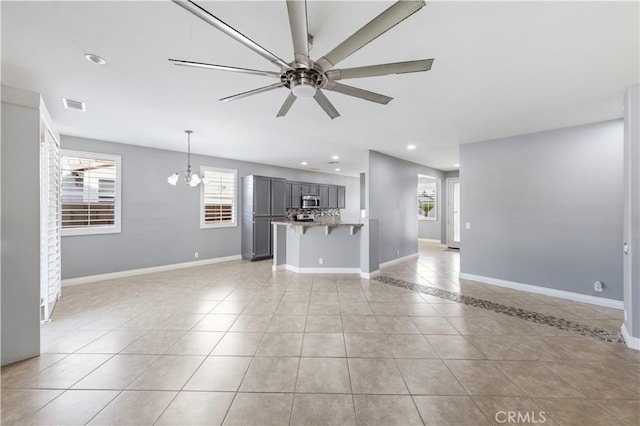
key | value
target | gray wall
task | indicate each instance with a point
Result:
(339, 249)
(631, 229)
(20, 232)
(160, 222)
(545, 208)
(391, 190)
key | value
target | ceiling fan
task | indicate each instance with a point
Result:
(304, 77)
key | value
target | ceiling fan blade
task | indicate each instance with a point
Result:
(253, 92)
(358, 93)
(382, 69)
(299, 30)
(286, 106)
(224, 68)
(230, 31)
(327, 106)
(388, 19)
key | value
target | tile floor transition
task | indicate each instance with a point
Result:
(234, 343)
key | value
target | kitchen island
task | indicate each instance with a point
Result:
(324, 246)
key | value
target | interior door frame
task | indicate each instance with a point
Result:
(449, 215)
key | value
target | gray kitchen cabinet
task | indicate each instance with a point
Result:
(261, 238)
(296, 195)
(278, 206)
(323, 190)
(287, 194)
(261, 196)
(341, 197)
(263, 200)
(333, 197)
(309, 189)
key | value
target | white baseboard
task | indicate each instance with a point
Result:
(322, 270)
(398, 260)
(432, 240)
(369, 275)
(141, 271)
(584, 298)
(632, 342)
(278, 267)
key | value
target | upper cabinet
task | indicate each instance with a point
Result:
(333, 197)
(342, 199)
(261, 196)
(324, 196)
(278, 197)
(296, 195)
(287, 194)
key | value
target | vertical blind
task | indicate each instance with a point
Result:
(88, 192)
(219, 196)
(50, 264)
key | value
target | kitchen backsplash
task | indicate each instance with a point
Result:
(292, 213)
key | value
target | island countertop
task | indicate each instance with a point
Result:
(330, 223)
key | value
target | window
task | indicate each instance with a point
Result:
(427, 198)
(90, 196)
(218, 200)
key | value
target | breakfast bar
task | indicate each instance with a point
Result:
(325, 246)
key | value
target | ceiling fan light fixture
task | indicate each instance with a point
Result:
(303, 90)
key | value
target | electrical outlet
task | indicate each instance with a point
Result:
(321, 261)
(196, 254)
(598, 286)
(468, 225)
(397, 252)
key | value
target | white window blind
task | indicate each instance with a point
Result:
(218, 197)
(90, 186)
(50, 265)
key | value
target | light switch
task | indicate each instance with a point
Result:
(468, 225)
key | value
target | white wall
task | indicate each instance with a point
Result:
(631, 228)
(20, 227)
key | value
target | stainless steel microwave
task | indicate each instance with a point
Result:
(310, 201)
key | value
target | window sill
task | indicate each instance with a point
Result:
(429, 219)
(218, 225)
(90, 231)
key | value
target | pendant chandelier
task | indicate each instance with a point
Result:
(190, 178)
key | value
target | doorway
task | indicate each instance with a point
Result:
(453, 213)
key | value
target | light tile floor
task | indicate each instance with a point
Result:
(234, 343)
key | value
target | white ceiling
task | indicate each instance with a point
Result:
(501, 68)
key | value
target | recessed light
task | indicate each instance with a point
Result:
(335, 157)
(456, 165)
(337, 170)
(95, 59)
(411, 147)
(304, 163)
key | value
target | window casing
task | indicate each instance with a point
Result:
(90, 193)
(218, 197)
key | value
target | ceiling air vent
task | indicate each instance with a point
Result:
(74, 105)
